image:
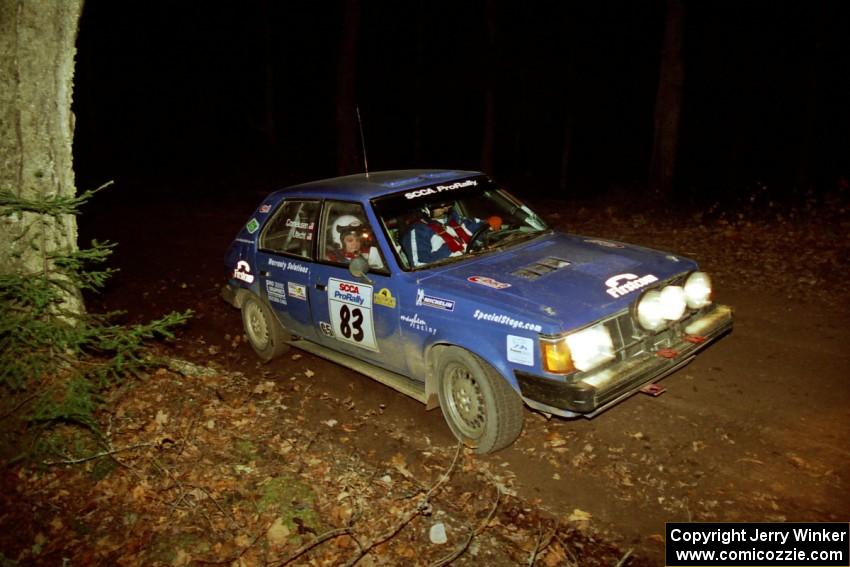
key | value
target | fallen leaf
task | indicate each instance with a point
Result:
(161, 418)
(579, 516)
(278, 532)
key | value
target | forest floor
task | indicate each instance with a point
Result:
(221, 460)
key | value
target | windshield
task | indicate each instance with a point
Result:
(453, 221)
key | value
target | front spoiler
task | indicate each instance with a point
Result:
(594, 393)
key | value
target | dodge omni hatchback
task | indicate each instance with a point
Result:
(444, 286)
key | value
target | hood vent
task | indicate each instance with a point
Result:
(541, 268)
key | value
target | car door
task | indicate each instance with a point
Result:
(358, 316)
(284, 261)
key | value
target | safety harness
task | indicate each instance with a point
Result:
(455, 243)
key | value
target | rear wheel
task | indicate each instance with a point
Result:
(481, 408)
(265, 333)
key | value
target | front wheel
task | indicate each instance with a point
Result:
(481, 408)
(265, 333)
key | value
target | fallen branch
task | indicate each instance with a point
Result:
(70, 461)
(331, 534)
(542, 543)
(458, 552)
(386, 536)
(19, 405)
(624, 558)
(422, 507)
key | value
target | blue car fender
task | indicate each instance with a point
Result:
(484, 348)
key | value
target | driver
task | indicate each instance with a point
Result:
(440, 233)
(348, 233)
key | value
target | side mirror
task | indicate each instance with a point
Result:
(359, 267)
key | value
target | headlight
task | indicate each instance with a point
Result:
(698, 290)
(583, 350)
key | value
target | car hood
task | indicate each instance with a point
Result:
(563, 281)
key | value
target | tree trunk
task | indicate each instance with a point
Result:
(37, 48)
(668, 106)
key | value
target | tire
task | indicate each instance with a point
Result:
(482, 409)
(265, 333)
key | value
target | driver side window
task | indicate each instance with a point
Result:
(346, 234)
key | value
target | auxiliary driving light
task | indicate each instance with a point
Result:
(698, 290)
(672, 302)
(650, 311)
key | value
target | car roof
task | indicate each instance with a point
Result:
(377, 183)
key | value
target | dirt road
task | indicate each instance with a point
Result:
(754, 430)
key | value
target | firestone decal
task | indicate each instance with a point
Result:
(243, 272)
(505, 320)
(520, 350)
(632, 283)
(434, 302)
(265, 208)
(489, 282)
(439, 189)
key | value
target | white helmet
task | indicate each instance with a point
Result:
(343, 225)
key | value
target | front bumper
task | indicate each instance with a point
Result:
(593, 393)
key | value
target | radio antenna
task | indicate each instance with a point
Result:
(362, 142)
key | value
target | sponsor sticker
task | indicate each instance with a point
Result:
(300, 230)
(350, 306)
(296, 290)
(437, 189)
(291, 266)
(520, 350)
(418, 324)
(243, 272)
(489, 282)
(623, 284)
(506, 320)
(422, 299)
(276, 292)
(385, 297)
(252, 226)
(265, 208)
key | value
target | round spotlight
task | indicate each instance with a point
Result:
(698, 290)
(650, 311)
(673, 302)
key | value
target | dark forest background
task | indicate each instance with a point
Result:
(556, 99)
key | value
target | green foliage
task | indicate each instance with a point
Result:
(62, 357)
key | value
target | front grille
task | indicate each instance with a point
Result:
(631, 340)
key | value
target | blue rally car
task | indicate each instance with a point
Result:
(446, 287)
